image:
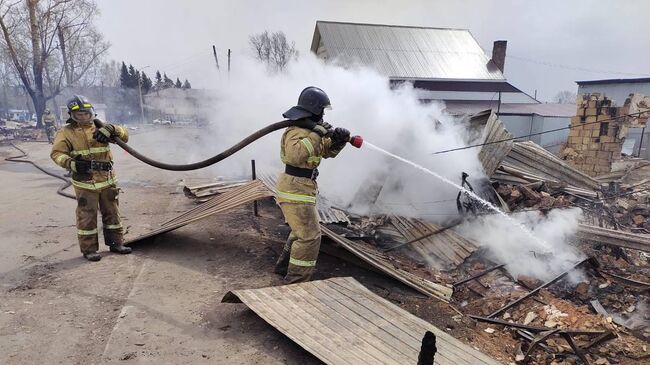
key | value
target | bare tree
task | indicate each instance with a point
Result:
(273, 49)
(51, 44)
(565, 97)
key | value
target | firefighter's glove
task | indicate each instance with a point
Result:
(79, 166)
(105, 134)
(322, 129)
(340, 137)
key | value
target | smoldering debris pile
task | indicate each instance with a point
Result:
(593, 311)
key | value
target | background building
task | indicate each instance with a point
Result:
(444, 65)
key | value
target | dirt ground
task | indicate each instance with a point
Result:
(160, 304)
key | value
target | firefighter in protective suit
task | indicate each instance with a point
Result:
(49, 122)
(301, 151)
(83, 149)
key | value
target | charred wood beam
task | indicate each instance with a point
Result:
(421, 237)
(627, 281)
(476, 276)
(547, 284)
(539, 339)
(536, 329)
(579, 352)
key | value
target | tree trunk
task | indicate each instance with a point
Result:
(38, 97)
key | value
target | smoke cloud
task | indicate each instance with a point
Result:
(364, 103)
(508, 244)
(393, 119)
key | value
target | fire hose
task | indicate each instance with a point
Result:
(24, 154)
(356, 141)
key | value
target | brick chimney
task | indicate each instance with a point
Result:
(499, 54)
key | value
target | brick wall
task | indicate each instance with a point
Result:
(598, 131)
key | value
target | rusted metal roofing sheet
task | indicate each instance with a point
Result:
(341, 322)
(404, 52)
(492, 154)
(534, 159)
(387, 265)
(599, 235)
(247, 193)
(326, 212)
(447, 249)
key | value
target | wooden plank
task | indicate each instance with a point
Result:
(342, 322)
(454, 350)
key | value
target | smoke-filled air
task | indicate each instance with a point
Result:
(364, 103)
(395, 120)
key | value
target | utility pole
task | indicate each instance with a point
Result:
(499, 105)
(214, 51)
(229, 64)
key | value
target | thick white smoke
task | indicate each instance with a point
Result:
(363, 103)
(393, 119)
(509, 245)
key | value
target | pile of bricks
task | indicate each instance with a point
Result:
(597, 133)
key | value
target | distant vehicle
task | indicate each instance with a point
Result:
(162, 122)
(133, 128)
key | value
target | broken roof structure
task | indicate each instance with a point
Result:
(341, 322)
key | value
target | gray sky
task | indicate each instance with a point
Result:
(550, 43)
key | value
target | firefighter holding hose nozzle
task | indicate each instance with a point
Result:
(301, 150)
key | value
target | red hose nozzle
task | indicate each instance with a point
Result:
(356, 141)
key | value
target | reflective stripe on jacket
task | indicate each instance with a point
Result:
(77, 140)
(300, 147)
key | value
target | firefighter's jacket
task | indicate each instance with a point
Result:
(49, 119)
(76, 141)
(302, 148)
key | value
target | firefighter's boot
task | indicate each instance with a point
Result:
(92, 256)
(118, 248)
(282, 265)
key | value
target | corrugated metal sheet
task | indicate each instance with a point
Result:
(534, 159)
(447, 249)
(388, 265)
(252, 191)
(599, 235)
(406, 52)
(342, 322)
(326, 212)
(491, 155)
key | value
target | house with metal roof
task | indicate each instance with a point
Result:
(443, 64)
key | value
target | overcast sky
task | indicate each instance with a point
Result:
(551, 44)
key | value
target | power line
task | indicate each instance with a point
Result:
(569, 67)
(537, 134)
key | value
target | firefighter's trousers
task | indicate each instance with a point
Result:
(303, 243)
(50, 131)
(87, 203)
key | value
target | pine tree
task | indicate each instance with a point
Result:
(167, 82)
(134, 77)
(187, 85)
(124, 77)
(178, 84)
(147, 84)
(159, 81)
